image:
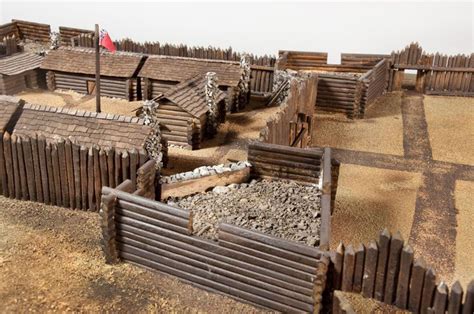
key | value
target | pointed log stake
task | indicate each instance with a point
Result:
(468, 306)
(440, 299)
(455, 298)
(97, 69)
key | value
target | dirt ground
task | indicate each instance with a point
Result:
(369, 200)
(380, 131)
(72, 99)
(51, 261)
(465, 232)
(362, 305)
(451, 128)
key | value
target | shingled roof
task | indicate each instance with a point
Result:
(190, 95)
(82, 60)
(83, 128)
(8, 108)
(19, 63)
(180, 69)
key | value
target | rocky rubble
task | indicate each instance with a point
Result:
(281, 208)
(205, 171)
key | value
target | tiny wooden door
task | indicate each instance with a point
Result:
(91, 87)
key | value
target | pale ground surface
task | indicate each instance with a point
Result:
(363, 305)
(70, 99)
(51, 261)
(465, 232)
(369, 200)
(381, 130)
(451, 128)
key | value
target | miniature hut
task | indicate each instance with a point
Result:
(160, 73)
(190, 111)
(74, 69)
(19, 71)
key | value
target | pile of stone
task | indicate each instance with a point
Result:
(204, 171)
(280, 208)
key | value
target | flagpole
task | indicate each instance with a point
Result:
(97, 69)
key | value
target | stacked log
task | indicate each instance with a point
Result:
(66, 33)
(374, 84)
(367, 61)
(33, 31)
(9, 29)
(338, 93)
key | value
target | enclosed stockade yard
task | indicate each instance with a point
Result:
(347, 88)
(244, 263)
(74, 69)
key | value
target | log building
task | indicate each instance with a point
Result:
(20, 71)
(160, 73)
(74, 69)
(183, 112)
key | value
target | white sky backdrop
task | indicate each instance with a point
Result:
(265, 27)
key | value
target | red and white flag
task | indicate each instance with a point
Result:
(105, 41)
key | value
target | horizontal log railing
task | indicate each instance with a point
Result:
(245, 264)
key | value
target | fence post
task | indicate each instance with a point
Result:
(326, 200)
(320, 284)
(107, 213)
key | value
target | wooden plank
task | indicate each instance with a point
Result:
(393, 267)
(370, 270)
(358, 268)
(455, 298)
(429, 286)
(36, 167)
(416, 285)
(16, 170)
(3, 173)
(384, 249)
(348, 269)
(43, 169)
(440, 299)
(110, 153)
(149, 203)
(124, 215)
(468, 306)
(97, 178)
(202, 184)
(70, 173)
(63, 173)
(7, 152)
(21, 164)
(104, 172)
(403, 284)
(29, 168)
(338, 262)
(118, 168)
(133, 166)
(49, 170)
(84, 180)
(56, 174)
(91, 196)
(125, 166)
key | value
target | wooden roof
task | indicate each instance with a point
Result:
(19, 62)
(7, 110)
(83, 128)
(82, 60)
(180, 69)
(190, 95)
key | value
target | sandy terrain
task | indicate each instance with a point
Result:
(362, 305)
(451, 128)
(370, 199)
(465, 232)
(51, 261)
(72, 99)
(380, 131)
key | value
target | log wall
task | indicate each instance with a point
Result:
(109, 86)
(367, 61)
(8, 30)
(292, 124)
(339, 93)
(261, 79)
(68, 33)
(62, 173)
(11, 85)
(245, 264)
(375, 84)
(33, 31)
(388, 271)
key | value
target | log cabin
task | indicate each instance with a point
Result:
(20, 71)
(160, 73)
(74, 69)
(183, 112)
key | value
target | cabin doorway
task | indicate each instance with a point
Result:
(91, 87)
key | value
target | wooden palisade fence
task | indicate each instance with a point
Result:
(245, 264)
(436, 73)
(387, 271)
(62, 173)
(374, 84)
(292, 124)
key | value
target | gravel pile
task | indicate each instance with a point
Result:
(281, 208)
